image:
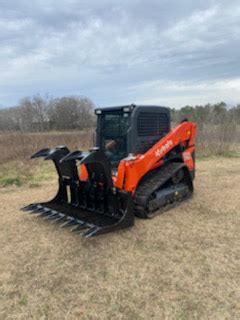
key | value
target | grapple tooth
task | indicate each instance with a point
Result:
(79, 227)
(91, 232)
(39, 209)
(44, 212)
(51, 215)
(29, 207)
(60, 217)
(70, 221)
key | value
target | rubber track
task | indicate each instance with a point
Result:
(152, 183)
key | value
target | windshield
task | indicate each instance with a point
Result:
(114, 135)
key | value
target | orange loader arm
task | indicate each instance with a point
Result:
(130, 171)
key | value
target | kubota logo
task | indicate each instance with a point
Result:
(160, 151)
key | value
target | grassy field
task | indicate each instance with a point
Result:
(184, 264)
(16, 167)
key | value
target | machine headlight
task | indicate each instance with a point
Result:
(126, 109)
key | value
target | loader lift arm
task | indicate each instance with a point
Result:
(131, 171)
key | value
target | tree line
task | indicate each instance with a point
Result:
(44, 113)
(218, 127)
(216, 114)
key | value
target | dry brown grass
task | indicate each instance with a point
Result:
(16, 148)
(183, 264)
(223, 139)
(21, 146)
(211, 140)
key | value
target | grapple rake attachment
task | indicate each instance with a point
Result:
(94, 205)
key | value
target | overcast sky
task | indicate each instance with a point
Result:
(167, 52)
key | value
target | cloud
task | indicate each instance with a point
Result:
(179, 94)
(119, 52)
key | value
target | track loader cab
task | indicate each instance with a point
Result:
(130, 129)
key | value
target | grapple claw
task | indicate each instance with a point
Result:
(91, 204)
(75, 155)
(41, 153)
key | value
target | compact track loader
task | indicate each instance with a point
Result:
(139, 167)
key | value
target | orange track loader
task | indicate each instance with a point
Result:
(139, 167)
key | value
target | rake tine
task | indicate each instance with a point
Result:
(37, 210)
(61, 217)
(29, 207)
(91, 232)
(51, 216)
(79, 227)
(45, 211)
(70, 221)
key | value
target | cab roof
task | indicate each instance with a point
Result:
(131, 106)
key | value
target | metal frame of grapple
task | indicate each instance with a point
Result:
(95, 204)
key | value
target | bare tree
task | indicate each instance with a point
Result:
(71, 113)
(40, 106)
